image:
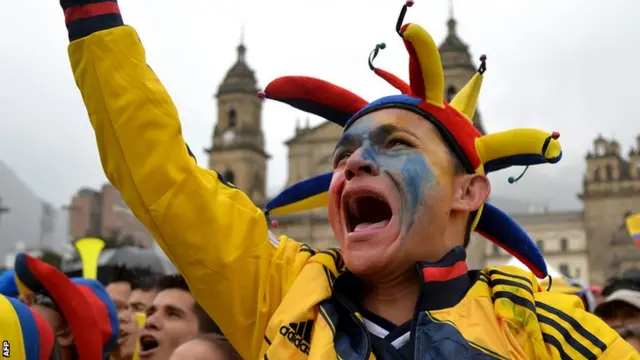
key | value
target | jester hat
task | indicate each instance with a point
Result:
(25, 335)
(423, 95)
(8, 285)
(84, 304)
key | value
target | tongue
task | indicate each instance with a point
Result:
(371, 226)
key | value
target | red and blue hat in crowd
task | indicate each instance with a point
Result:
(8, 285)
(83, 303)
(24, 334)
(424, 95)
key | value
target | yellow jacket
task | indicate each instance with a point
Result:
(274, 298)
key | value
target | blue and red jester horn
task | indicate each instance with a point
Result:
(424, 95)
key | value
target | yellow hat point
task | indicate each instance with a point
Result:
(466, 101)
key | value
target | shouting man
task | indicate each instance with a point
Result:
(173, 318)
(408, 187)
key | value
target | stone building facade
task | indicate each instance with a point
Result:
(611, 191)
(560, 235)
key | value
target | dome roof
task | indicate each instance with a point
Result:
(240, 78)
(454, 52)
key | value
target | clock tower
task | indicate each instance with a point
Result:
(237, 152)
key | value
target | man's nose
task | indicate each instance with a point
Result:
(358, 165)
(124, 316)
(152, 323)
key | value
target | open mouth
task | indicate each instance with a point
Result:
(366, 211)
(148, 343)
(122, 336)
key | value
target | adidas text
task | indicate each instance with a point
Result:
(299, 334)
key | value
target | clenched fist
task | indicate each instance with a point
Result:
(84, 17)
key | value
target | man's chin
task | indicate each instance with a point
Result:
(368, 253)
(366, 265)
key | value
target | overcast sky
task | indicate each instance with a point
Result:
(569, 65)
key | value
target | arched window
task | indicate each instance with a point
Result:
(609, 171)
(597, 174)
(451, 93)
(229, 177)
(564, 244)
(232, 117)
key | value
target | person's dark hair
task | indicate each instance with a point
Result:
(458, 169)
(122, 274)
(205, 323)
(174, 281)
(144, 283)
(221, 343)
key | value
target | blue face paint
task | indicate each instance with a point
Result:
(405, 165)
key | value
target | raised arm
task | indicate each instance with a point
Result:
(216, 237)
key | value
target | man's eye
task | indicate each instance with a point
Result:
(394, 143)
(340, 157)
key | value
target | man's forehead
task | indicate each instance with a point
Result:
(391, 120)
(176, 298)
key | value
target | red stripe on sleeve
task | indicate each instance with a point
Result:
(89, 10)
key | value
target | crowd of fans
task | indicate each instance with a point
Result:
(176, 327)
(172, 324)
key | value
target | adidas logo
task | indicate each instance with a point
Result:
(299, 334)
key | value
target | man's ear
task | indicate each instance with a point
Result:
(470, 192)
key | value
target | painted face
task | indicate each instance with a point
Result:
(390, 188)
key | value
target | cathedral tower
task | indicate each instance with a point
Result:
(457, 64)
(238, 152)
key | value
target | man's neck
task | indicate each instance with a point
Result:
(394, 299)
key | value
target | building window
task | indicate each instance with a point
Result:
(564, 269)
(496, 249)
(597, 174)
(540, 244)
(451, 93)
(577, 273)
(564, 244)
(609, 171)
(232, 117)
(229, 177)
